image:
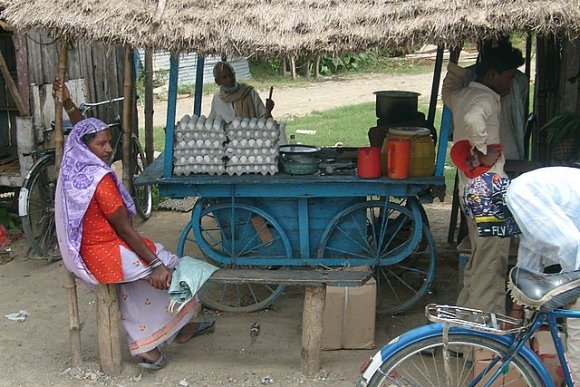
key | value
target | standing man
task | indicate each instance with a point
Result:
(236, 99)
(476, 118)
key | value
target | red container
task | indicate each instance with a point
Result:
(369, 162)
(398, 157)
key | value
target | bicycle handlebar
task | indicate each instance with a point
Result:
(86, 106)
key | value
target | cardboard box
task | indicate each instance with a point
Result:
(349, 317)
(508, 377)
(543, 345)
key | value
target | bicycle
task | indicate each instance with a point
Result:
(445, 353)
(36, 198)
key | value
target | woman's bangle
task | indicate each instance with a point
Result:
(71, 110)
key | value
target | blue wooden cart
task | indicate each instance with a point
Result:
(284, 221)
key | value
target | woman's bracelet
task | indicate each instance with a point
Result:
(71, 110)
(156, 263)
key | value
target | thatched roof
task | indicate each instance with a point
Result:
(270, 27)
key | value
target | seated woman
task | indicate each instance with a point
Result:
(93, 215)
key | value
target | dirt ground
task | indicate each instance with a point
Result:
(36, 352)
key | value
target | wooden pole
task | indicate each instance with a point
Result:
(69, 279)
(314, 300)
(293, 66)
(317, 67)
(127, 110)
(149, 145)
(108, 321)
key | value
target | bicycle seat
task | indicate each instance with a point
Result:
(544, 292)
(67, 126)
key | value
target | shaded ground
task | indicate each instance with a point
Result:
(37, 352)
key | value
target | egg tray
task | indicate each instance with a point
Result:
(263, 169)
(195, 169)
(202, 151)
(252, 133)
(200, 134)
(268, 151)
(202, 160)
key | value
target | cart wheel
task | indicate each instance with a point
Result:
(386, 235)
(253, 234)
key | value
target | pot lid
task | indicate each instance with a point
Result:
(301, 149)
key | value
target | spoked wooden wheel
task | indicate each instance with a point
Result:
(392, 238)
(239, 236)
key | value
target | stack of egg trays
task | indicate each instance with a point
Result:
(252, 148)
(199, 146)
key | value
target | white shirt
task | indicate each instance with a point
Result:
(546, 205)
(219, 107)
(476, 113)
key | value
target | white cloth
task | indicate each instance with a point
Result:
(219, 107)
(476, 111)
(546, 205)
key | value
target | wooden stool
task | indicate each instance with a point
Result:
(108, 336)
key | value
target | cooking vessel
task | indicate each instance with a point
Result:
(297, 164)
(396, 106)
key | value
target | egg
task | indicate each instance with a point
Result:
(236, 122)
(245, 122)
(261, 123)
(193, 120)
(208, 123)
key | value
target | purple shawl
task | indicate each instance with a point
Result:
(80, 173)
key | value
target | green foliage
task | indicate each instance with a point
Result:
(186, 89)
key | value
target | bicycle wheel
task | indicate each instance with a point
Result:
(253, 235)
(142, 194)
(36, 208)
(421, 363)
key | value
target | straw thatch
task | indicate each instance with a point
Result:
(271, 27)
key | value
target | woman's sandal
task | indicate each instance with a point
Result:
(158, 364)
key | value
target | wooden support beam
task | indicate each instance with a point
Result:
(314, 300)
(108, 336)
(69, 279)
(149, 146)
(12, 88)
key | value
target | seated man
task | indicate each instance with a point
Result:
(236, 99)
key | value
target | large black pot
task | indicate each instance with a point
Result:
(396, 106)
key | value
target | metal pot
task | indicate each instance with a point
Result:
(396, 106)
(299, 163)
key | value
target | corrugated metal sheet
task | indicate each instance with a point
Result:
(188, 66)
